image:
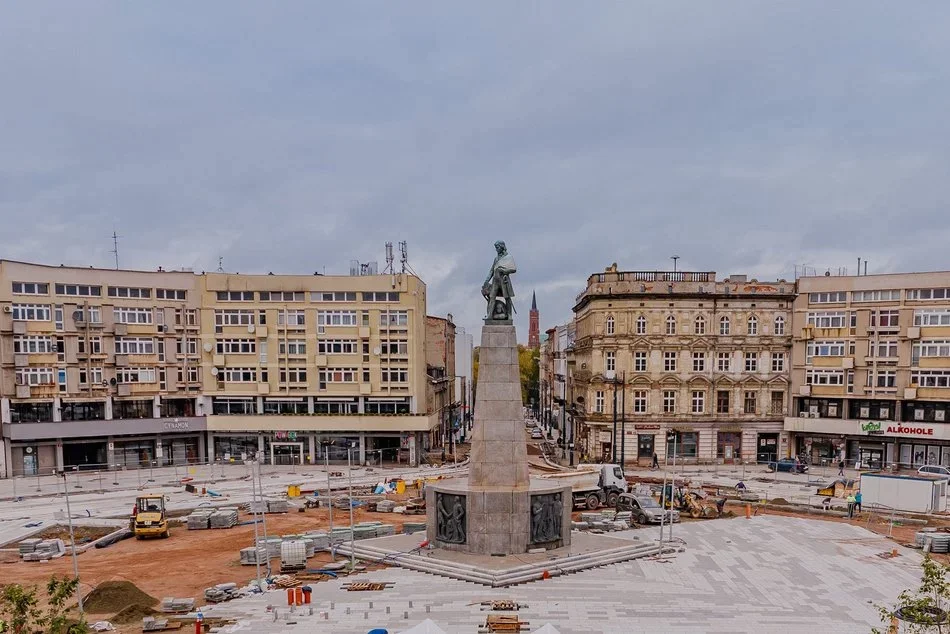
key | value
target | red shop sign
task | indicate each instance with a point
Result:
(911, 431)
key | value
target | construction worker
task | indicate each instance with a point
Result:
(851, 502)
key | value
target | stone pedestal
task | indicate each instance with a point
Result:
(498, 509)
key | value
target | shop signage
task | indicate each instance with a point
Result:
(871, 426)
(646, 427)
(285, 435)
(176, 426)
(910, 431)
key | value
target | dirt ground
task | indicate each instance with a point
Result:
(83, 534)
(189, 561)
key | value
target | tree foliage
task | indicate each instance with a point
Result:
(528, 365)
(20, 614)
(922, 609)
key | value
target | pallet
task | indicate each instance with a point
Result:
(505, 623)
(367, 586)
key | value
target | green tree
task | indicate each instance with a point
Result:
(923, 609)
(528, 364)
(21, 616)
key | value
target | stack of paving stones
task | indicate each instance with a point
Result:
(365, 530)
(46, 549)
(173, 605)
(272, 544)
(251, 556)
(385, 506)
(199, 519)
(224, 518)
(413, 527)
(28, 546)
(321, 541)
(385, 530)
(222, 592)
(940, 542)
(151, 624)
(277, 506)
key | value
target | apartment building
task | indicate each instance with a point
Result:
(555, 387)
(440, 372)
(679, 358)
(110, 368)
(870, 374)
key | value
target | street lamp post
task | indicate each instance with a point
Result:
(72, 544)
(349, 468)
(326, 463)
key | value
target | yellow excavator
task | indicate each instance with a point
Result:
(148, 517)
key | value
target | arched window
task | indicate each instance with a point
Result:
(753, 325)
(609, 326)
(641, 325)
(700, 326)
(724, 325)
(671, 325)
(780, 325)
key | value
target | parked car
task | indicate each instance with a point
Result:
(791, 465)
(934, 469)
(537, 434)
(644, 509)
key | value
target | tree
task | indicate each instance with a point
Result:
(21, 616)
(921, 610)
(528, 365)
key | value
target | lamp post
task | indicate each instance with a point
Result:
(349, 468)
(326, 463)
(72, 544)
(674, 258)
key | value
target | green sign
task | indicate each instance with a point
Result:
(871, 426)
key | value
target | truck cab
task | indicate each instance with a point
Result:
(610, 480)
(150, 520)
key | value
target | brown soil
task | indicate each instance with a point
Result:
(132, 614)
(83, 534)
(113, 596)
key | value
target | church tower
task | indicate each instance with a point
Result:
(534, 333)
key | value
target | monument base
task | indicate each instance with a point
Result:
(497, 521)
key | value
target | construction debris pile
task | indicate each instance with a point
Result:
(223, 592)
(604, 521)
(41, 549)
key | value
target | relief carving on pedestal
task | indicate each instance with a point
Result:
(547, 512)
(450, 519)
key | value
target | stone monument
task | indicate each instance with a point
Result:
(498, 509)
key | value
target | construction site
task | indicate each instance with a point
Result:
(235, 545)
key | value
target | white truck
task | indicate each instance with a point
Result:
(593, 485)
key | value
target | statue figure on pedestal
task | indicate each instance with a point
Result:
(497, 288)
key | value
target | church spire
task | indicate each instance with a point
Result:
(534, 300)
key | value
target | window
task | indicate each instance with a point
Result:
(337, 296)
(885, 319)
(883, 349)
(751, 362)
(824, 377)
(192, 375)
(824, 349)
(83, 411)
(639, 401)
(641, 325)
(876, 296)
(236, 346)
(828, 319)
(394, 375)
(31, 312)
(293, 375)
(610, 361)
(293, 347)
(699, 326)
(30, 288)
(778, 362)
(281, 296)
(599, 402)
(337, 346)
(750, 402)
(882, 378)
(699, 402)
(238, 375)
(131, 293)
(778, 403)
(383, 407)
(171, 293)
(338, 375)
(189, 318)
(282, 406)
(235, 296)
(780, 325)
(639, 361)
(919, 294)
(932, 317)
(926, 348)
(393, 318)
(724, 361)
(32, 344)
(930, 378)
(78, 290)
(723, 325)
(139, 408)
(609, 327)
(336, 317)
(836, 297)
(125, 315)
(335, 407)
(671, 325)
(233, 317)
(134, 345)
(224, 406)
(31, 412)
(849, 376)
(683, 445)
(91, 314)
(381, 297)
(191, 345)
(722, 402)
(699, 362)
(753, 325)
(291, 318)
(669, 401)
(392, 348)
(669, 362)
(135, 375)
(94, 376)
(34, 376)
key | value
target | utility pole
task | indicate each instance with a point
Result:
(349, 467)
(613, 443)
(115, 249)
(72, 544)
(623, 414)
(257, 539)
(326, 463)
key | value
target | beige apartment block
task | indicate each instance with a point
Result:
(108, 368)
(685, 356)
(870, 375)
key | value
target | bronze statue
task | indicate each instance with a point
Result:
(497, 288)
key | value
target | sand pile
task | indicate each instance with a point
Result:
(111, 597)
(132, 614)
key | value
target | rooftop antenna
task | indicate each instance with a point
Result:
(115, 248)
(220, 264)
(404, 258)
(389, 263)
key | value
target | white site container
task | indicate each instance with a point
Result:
(293, 553)
(917, 493)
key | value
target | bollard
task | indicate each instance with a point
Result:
(290, 596)
(405, 615)
(748, 511)
(410, 604)
(298, 596)
(387, 609)
(370, 605)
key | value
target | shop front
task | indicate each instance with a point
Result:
(646, 443)
(729, 444)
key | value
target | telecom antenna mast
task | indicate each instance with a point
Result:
(115, 249)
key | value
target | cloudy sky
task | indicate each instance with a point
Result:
(745, 137)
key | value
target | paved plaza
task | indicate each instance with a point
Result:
(767, 574)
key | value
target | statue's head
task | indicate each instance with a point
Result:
(500, 247)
